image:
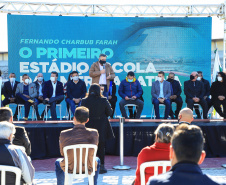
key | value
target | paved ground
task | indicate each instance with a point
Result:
(45, 171)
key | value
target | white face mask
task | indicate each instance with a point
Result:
(75, 78)
(199, 78)
(52, 79)
(219, 78)
(40, 79)
(159, 79)
(71, 78)
(12, 80)
(27, 81)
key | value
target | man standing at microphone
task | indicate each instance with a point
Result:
(101, 73)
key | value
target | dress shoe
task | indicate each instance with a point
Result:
(102, 169)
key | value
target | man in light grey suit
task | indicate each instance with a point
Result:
(26, 93)
(161, 92)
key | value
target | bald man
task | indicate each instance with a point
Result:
(185, 116)
(39, 86)
(194, 91)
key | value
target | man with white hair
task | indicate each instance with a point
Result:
(12, 155)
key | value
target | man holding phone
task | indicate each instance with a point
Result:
(161, 92)
(130, 90)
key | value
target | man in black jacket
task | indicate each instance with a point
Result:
(194, 91)
(206, 92)
(9, 91)
(21, 138)
(175, 95)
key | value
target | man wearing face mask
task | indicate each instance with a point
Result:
(206, 92)
(175, 95)
(161, 92)
(9, 91)
(130, 90)
(76, 90)
(194, 91)
(53, 93)
(26, 93)
(39, 86)
(101, 73)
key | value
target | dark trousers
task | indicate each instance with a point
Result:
(24, 100)
(209, 104)
(202, 102)
(37, 102)
(105, 92)
(167, 104)
(113, 101)
(139, 103)
(101, 151)
(53, 101)
(217, 105)
(179, 103)
(6, 102)
(60, 173)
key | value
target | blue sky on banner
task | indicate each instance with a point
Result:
(217, 24)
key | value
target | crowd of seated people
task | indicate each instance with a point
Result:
(164, 91)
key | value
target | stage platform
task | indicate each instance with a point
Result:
(44, 136)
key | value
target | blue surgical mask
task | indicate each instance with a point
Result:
(130, 80)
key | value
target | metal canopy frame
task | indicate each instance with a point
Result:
(45, 8)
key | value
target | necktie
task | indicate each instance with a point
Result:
(12, 85)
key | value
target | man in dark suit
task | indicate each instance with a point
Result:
(26, 93)
(39, 86)
(206, 92)
(186, 154)
(112, 98)
(53, 93)
(194, 91)
(9, 91)
(21, 138)
(161, 93)
(175, 95)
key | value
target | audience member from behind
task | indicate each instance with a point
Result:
(186, 154)
(79, 134)
(158, 151)
(12, 155)
(99, 111)
(218, 93)
(185, 116)
(21, 138)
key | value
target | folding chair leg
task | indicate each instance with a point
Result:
(91, 180)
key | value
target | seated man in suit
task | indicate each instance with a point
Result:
(161, 92)
(112, 98)
(130, 90)
(26, 93)
(79, 134)
(9, 91)
(21, 138)
(53, 93)
(15, 156)
(186, 154)
(76, 90)
(206, 92)
(39, 86)
(175, 95)
(194, 91)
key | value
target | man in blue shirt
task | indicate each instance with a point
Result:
(76, 90)
(161, 92)
(130, 90)
(186, 154)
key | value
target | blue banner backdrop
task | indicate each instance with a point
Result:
(142, 45)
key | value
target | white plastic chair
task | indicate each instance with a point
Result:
(130, 105)
(199, 108)
(13, 169)
(20, 106)
(69, 177)
(45, 117)
(156, 165)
